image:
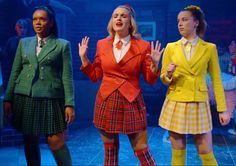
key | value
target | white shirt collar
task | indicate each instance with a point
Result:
(193, 41)
(124, 40)
(44, 39)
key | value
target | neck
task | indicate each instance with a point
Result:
(191, 36)
(121, 35)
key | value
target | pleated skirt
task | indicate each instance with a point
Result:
(38, 116)
(186, 117)
(117, 115)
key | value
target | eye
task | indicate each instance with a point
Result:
(124, 15)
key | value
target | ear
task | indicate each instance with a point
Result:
(196, 23)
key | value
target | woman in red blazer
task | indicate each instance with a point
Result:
(119, 61)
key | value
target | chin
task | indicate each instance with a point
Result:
(182, 34)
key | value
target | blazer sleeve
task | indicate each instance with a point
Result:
(16, 69)
(165, 62)
(94, 71)
(67, 75)
(215, 73)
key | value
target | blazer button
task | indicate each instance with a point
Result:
(41, 78)
(42, 68)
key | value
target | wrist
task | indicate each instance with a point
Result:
(168, 75)
(84, 61)
(154, 67)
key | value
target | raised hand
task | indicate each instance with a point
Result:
(156, 53)
(83, 49)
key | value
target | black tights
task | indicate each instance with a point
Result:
(32, 151)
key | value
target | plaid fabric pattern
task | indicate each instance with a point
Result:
(37, 116)
(145, 157)
(111, 154)
(117, 115)
(186, 117)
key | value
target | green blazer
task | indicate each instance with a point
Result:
(47, 75)
(188, 83)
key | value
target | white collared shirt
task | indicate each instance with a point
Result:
(193, 42)
(120, 53)
(38, 48)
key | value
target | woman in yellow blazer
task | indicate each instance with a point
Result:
(186, 108)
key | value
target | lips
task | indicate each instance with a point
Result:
(119, 24)
(38, 28)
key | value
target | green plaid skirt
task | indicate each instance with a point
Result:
(38, 116)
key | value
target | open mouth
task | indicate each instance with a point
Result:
(119, 24)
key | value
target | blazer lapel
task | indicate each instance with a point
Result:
(31, 52)
(49, 46)
(108, 51)
(181, 59)
(199, 53)
(132, 52)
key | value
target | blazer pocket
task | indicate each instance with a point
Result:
(57, 85)
(203, 88)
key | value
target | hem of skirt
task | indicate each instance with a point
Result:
(119, 131)
(39, 133)
(186, 132)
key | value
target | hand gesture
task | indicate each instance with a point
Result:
(224, 118)
(83, 49)
(156, 53)
(69, 115)
(171, 69)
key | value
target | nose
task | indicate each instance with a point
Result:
(119, 17)
(37, 21)
(179, 24)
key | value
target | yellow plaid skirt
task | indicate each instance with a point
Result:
(186, 117)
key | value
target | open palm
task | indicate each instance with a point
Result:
(156, 52)
(83, 47)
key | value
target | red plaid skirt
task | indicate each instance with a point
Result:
(117, 115)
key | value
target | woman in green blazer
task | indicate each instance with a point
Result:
(40, 90)
(186, 109)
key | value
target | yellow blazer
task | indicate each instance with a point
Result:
(188, 83)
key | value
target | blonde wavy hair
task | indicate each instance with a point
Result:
(133, 31)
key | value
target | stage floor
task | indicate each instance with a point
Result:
(87, 149)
